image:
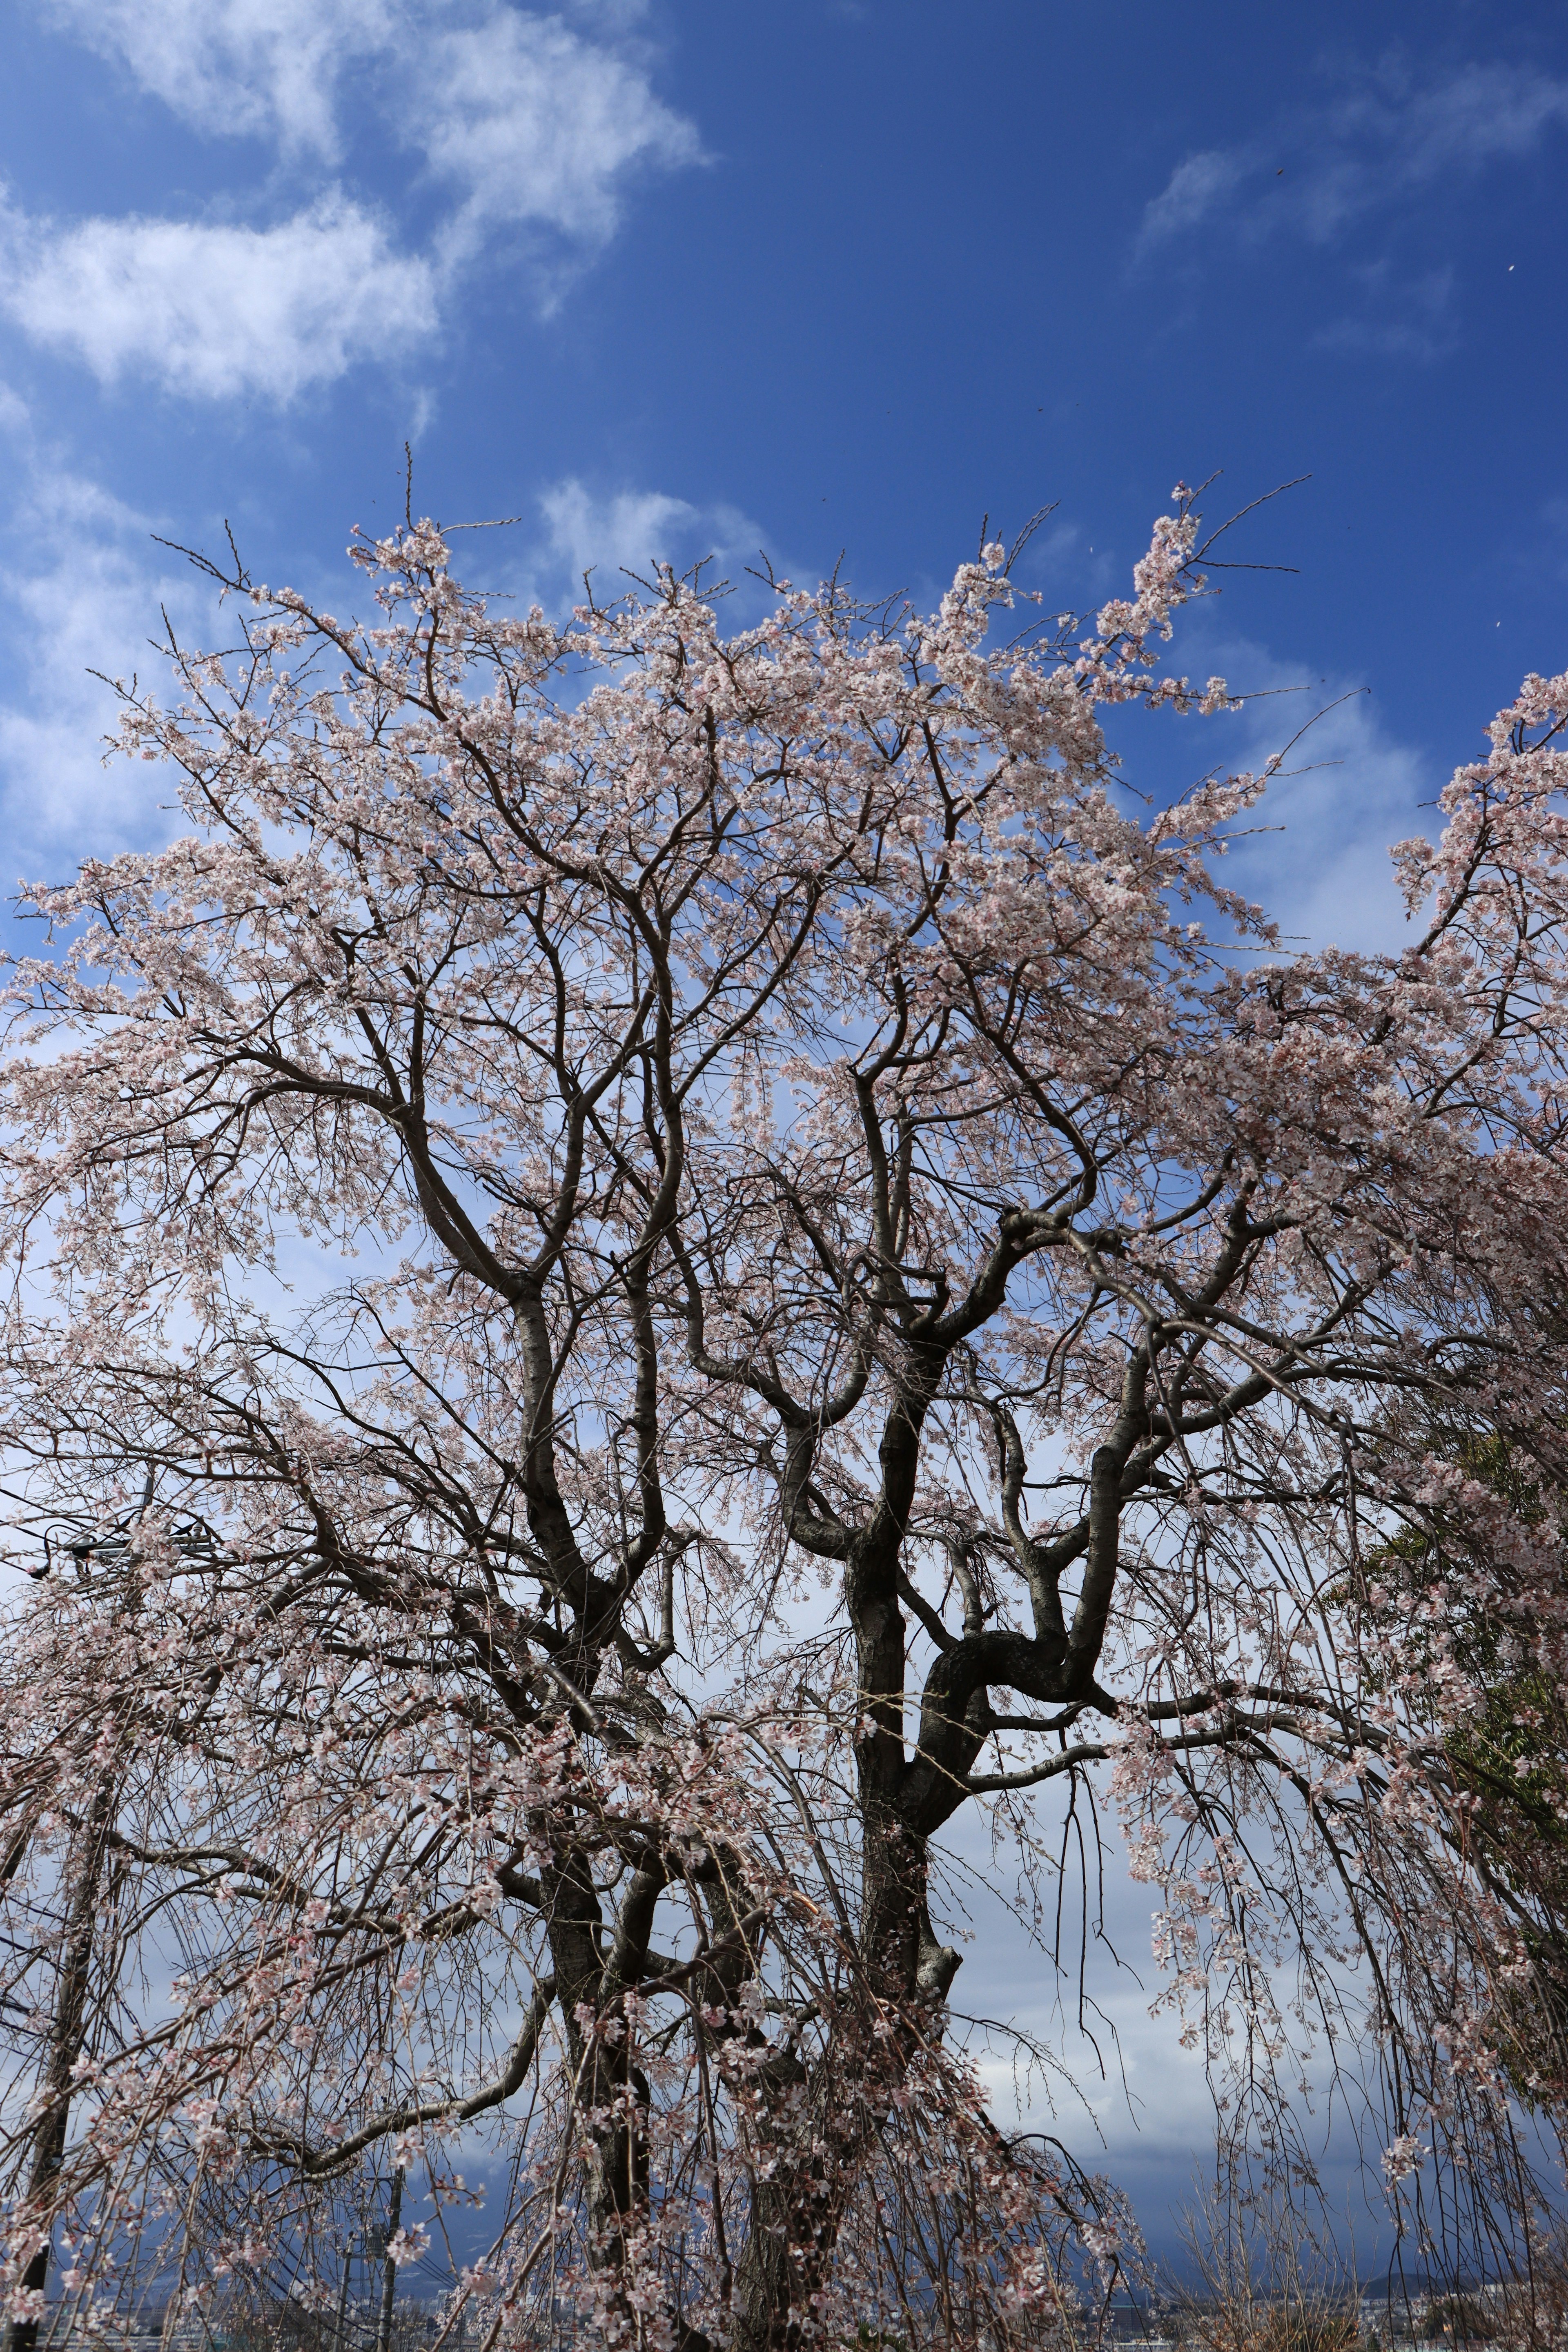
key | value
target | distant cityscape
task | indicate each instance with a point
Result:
(1417, 2315)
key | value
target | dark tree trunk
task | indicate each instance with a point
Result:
(84, 1876)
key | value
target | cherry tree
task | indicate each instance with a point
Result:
(651, 1265)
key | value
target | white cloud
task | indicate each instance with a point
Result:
(214, 310)
(528, 118)
(523, 117)
(1382, 140)
(83, 586)
(532, 124)
(1319, 861)
(80, 588)
(1196, 189)
(230, 67)
(631, 531)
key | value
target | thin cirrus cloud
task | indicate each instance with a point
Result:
(521, 119)
(1409, 318)
(1382, 141)
(216, 310)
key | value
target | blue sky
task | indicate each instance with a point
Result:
(842, 275)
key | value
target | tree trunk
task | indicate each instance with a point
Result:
(793, 2230)
(616, 2169)
(341, 2337)
(389, 2268)
(84, 1875)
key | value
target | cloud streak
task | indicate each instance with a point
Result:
(1384, 140)
(1410, 319)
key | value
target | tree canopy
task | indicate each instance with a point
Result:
(650, 1265)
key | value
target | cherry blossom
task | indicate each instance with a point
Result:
(653, 1262)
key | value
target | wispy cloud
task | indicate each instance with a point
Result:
(530, 122)
(1402, 318)
(523, 118)
(1348, 788)
(630, 532)
(229, 69)
(81, 584)
(1196, 189)
(1381, 139)
(216, 310)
